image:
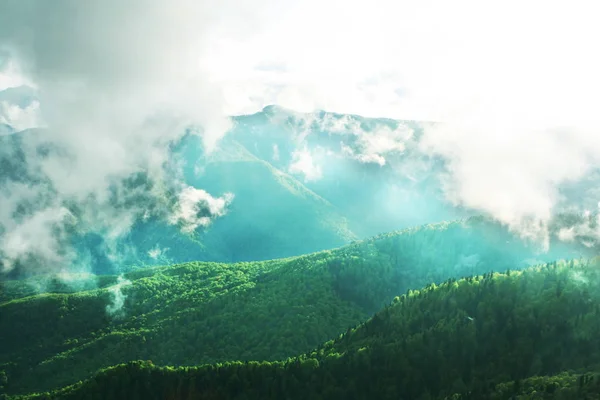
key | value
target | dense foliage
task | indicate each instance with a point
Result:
(481, 337)
(207, 312)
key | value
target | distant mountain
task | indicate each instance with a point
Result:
(481, 337)
(272, 215)
(275, 211)
(369, 168)
(207, 312)
(299, 182)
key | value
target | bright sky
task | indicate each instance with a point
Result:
(422, 59)
(418, 59)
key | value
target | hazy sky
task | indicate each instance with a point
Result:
(412, 59)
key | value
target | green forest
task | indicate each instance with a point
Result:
(527, 334)
(265, 329)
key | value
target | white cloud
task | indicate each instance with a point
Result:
(42, 236)
(115, 307)
(196, 208)
(10, 76)
(156, 252)
(19, 118)
(567, 234)
(363, 158)
(511, 170)
(303, 163)
(368, 142)
(370, 145)
(19, 107)
(586, 231)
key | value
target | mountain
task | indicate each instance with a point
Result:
(296, 183)
(273, 215)
(369, 168)
(495, 336)
(276, 211)
(208, 312)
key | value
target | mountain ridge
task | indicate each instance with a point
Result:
(194, 313)
(432, 343)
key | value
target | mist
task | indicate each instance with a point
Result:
(115, 307)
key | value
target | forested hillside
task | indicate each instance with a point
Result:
(207, 312)
(481, 337)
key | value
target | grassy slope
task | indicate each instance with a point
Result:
(483, 337)
(207, 312)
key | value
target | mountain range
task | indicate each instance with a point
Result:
(298, 258)
(198, 313)
(299, 183)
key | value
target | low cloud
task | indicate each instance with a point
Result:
(19, 118)
(117, 297)
(41, 236)
(196, 208)
(19, 108)
(369, 158)
(304, 164)
(511, 171)
(585, 231)
(367, 141)
(372, 141)
(157, 252)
